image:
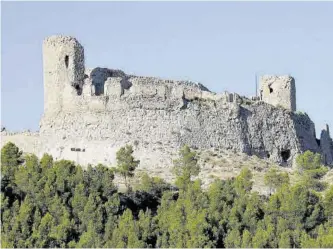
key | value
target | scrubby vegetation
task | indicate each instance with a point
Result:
(59, 204)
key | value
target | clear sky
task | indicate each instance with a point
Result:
(222, 45)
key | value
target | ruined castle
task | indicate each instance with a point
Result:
(90, 114)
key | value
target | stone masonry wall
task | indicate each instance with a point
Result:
(27, 141)
(158, 116)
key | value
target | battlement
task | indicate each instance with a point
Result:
(57, 40)
(108, 91)
(68, 86)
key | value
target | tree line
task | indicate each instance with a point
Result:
(47, 203)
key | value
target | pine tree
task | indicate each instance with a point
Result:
(311, 170)
(127, 233)
(244, 183)
(246, 239)
(126, 164)
(185, 167)
(275, 179)
(11, 158)
(285, 239)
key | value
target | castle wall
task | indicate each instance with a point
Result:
(160, 116)
(115, 109)
(27, 142)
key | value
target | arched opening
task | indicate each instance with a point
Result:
(78, 89)
(66, 61)
(270, 90)
(285, 154)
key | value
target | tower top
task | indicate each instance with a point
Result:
(58, 39)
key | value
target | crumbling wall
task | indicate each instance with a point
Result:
(159, 120)
(28, 142)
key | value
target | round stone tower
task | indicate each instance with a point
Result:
(63, 65)
(278, 91)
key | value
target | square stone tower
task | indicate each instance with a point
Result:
(278, 91)
(63, 67)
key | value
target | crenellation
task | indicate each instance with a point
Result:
(113, 87)
(88, 88)
(115, 83)
(99, 76)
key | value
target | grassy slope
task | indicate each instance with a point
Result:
(223, 165)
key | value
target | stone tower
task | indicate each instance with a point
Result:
(63, 65)
(278, 91)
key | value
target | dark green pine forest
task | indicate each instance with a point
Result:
(47, 203)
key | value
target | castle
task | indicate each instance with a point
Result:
(90, 114)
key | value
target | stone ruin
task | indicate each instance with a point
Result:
(278, 90)
(90, 113)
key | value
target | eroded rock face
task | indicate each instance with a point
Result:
(326, 145)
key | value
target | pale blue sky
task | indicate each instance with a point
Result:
(220, 44)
